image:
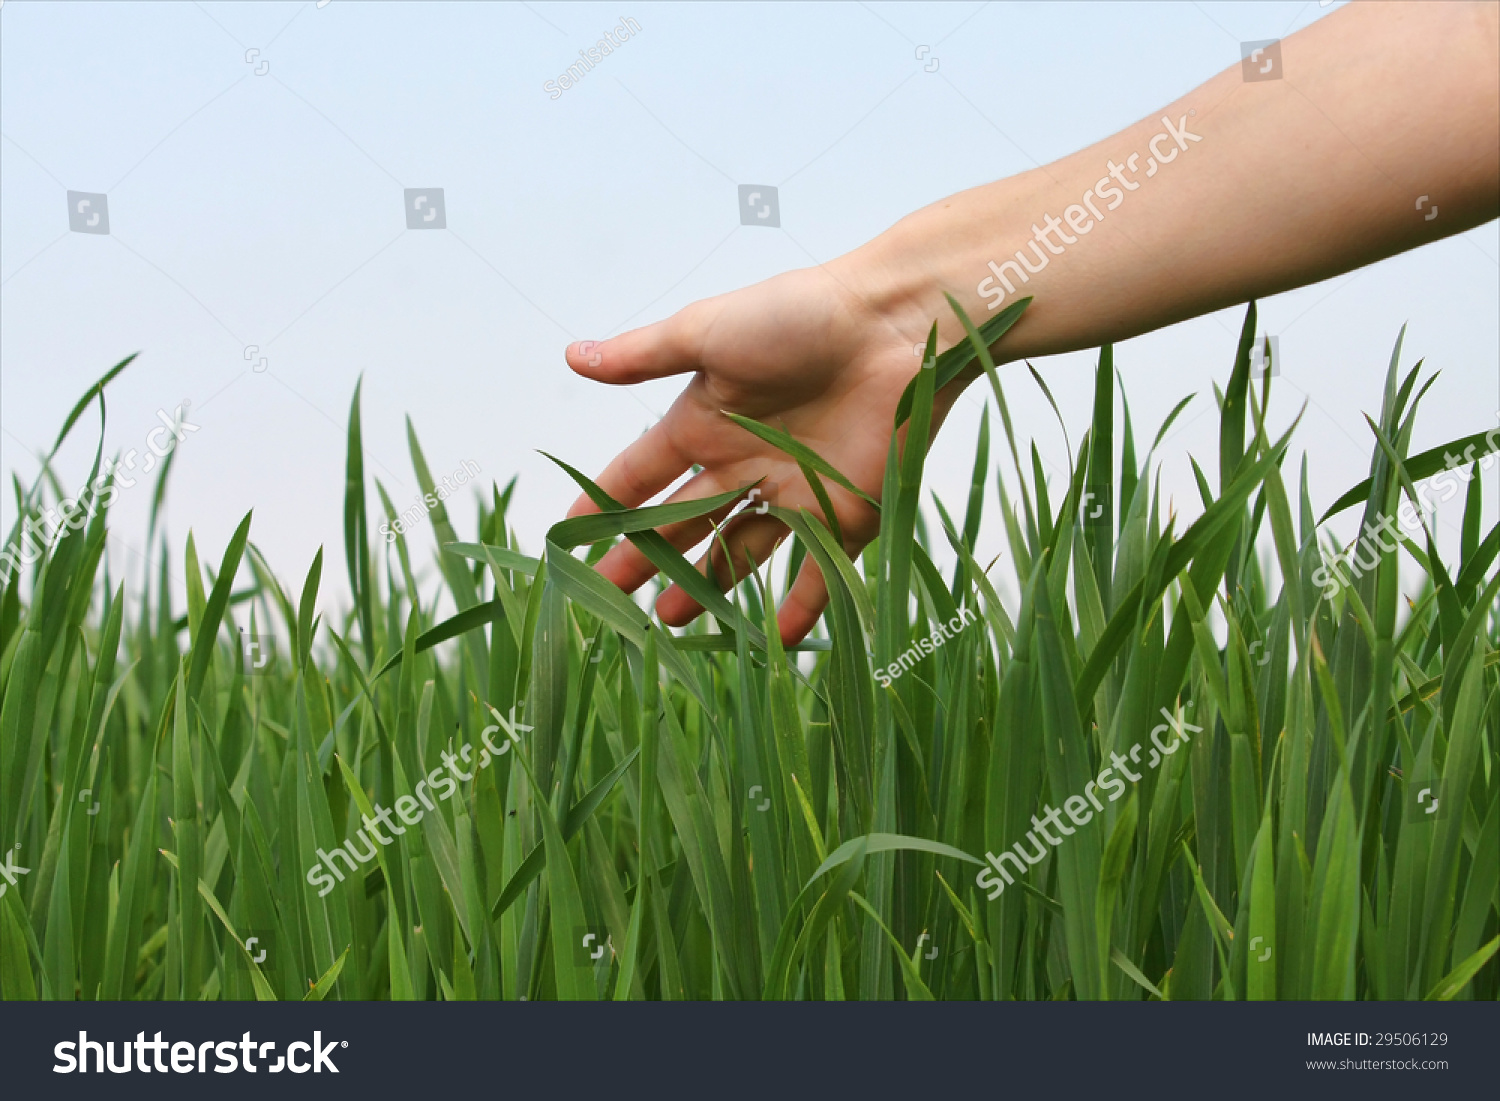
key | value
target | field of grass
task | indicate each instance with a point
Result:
(580, 804)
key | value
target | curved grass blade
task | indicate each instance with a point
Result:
(331, 976)
(537, 858)
(1429, 462)
(804, 455)
(479, 615)
(887, 842)
(213, 612)
(951, 364)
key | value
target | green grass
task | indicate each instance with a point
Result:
(737, 822)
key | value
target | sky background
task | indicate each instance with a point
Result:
(265, 209)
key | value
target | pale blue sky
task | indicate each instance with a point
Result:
(267, 210)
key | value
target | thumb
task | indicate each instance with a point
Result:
(654, 351)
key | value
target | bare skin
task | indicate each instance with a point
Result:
(1282, 183)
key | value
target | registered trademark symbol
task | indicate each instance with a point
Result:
(345, 1043)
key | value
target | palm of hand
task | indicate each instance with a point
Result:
(799, 352)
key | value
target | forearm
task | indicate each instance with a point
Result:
(1266, 186)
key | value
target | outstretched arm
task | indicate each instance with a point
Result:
(1383, 134)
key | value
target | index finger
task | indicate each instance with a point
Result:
(638, 473)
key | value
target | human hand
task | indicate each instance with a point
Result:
(815, 352)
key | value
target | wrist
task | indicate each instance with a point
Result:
(904, 274)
